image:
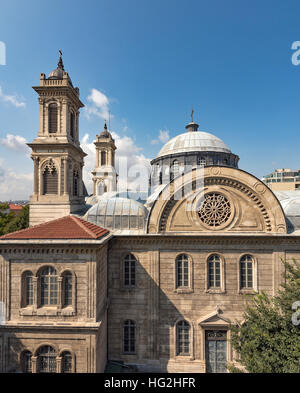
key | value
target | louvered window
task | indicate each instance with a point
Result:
(53, 117)
(103, 158)
(75, 183)
(50, 179)
(72, 124)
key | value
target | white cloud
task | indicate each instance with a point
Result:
(12, 99)
(163, 137)
(99, 105)
(126, 150)
(14, 186)
(15, 143)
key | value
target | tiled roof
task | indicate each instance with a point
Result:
(68, 227)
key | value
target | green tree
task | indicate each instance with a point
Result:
(18, 222)
(5, 217)
(268, 341)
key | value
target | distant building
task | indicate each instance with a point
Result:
(283, 180)
(15, 208)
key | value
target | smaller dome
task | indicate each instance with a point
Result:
(290, 202)
(58, 73)
(118, 214)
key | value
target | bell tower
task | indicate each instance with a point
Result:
(104, 174)
(58, 158)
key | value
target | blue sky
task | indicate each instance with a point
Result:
(153, 61)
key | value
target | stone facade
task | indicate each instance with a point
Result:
(78, 328)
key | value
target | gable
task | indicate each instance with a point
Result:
(227, 200)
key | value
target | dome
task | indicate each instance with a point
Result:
(193, 141)
(290, 202)
(58, 73)
(118, 214)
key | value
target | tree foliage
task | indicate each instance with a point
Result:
(268, 341)
(10, 222)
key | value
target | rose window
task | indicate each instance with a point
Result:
(215, 210)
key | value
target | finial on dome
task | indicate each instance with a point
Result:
(192, 126)
(105, 126)
(60, 61)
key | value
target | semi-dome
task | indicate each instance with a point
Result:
(193, 142)
(118, 214)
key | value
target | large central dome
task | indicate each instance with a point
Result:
(192, 142)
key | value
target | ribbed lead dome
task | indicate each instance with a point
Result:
(193, 141)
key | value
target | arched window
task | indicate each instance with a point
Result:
(201, 161)
(50, 179)
(46, 360)
(214, 271)
(72, 124)
(129, 336)
(49, 287)
(66, 362)
(182, 271)
(103, 158)
(129, 271)
(28, 288)
(182, 338)
(246, 272)
(52, 118)
(26, 362)
(160, 177)
(174, 170)
(67, 286)
(225, 161)
(75, 183)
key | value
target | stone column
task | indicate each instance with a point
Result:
(58, 364)
(59, 293)
(65, 164)
(34, 364)
(35, 175)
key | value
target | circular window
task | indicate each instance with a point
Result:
(215, 210)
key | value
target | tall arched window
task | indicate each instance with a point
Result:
(103, 158)
(49, 287)
(67, 286)
(50, 179)
(26, 362)
(72, 124)
(214, 271)
(52, 118)
(174, 170)
(46, 360)
(129, 271)
(182, 338)
(75, 183)
(182, 271)
(66, 362)
(28, 288)
(129, 336)
(246, 272)
(160, 177)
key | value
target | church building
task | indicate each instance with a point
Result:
(149, 283)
